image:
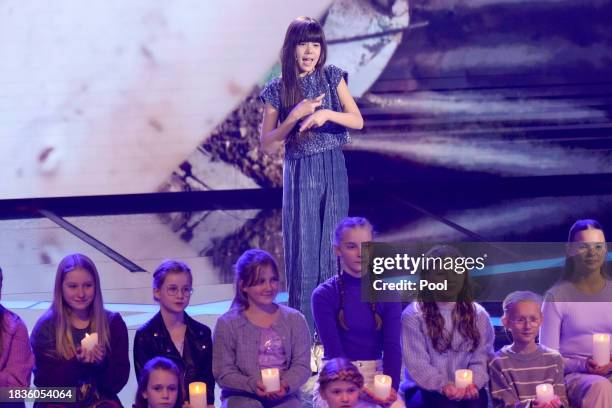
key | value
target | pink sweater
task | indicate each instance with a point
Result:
(16, 358)
(570, 320)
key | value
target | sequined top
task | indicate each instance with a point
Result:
(271, 351)
(315, 140)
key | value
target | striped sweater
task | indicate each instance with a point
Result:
(514, 376)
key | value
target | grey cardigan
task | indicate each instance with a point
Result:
(236, 349)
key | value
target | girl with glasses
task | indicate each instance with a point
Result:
(577, 307)
(517, 369)
(172, 333)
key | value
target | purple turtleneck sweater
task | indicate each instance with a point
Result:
(362, 341)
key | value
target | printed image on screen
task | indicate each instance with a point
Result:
(112, 98)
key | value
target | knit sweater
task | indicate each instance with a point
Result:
(514, 376)
(236, 344)
(571, 317)
(361, 341)
(428, 369)
(16, 358)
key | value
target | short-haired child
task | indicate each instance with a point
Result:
(517, 369)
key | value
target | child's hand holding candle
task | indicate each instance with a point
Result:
(271, 379)
(601, 349)
(463, 378)
(545, 393)
(382, 386)
(89, 341)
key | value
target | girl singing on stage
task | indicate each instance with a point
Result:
(308, 110)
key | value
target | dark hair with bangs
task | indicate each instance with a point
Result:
(302, 29)
(247, 268)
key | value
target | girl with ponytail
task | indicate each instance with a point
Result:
(98, 373)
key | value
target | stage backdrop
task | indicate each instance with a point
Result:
(108, 96)
(115, 98)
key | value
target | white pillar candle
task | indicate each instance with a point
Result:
(270, 379)
(89, 341)
(463, 378)
(545, 393)
(601, 348)
(197, 394)
(382, 386)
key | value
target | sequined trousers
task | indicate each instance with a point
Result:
(315, 199)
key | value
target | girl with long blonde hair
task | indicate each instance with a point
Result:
(98, 372)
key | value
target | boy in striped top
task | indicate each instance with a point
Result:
(517, 369)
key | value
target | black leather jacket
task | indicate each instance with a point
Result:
(153, 340)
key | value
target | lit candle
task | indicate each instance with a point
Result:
(270, 379)
(89, 341)
(544, 393)
(197, 394)
(463, 378)
(601, 348)
(382, 386)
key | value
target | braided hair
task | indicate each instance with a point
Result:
(350, 223)
(339, 369)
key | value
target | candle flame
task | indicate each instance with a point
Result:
(86, 334)
(383, 380)
(545, 387)
(269, 371)
(197, 388)
(464, 374)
